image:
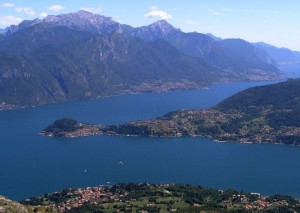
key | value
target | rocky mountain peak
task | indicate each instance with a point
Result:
(84, 20)
(157, 30)
(80, 19)
(162, 25)
(79, 16)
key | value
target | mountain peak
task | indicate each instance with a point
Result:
(161, 22)
(162, 25)
(81, 21)
(84, 20)
(157, 30)
(84, 12)
(79, 16)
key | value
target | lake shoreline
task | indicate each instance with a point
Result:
(8, 106)
(60, 163)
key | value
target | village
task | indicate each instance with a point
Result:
(143, 197)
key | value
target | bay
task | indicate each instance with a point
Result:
(33, 165)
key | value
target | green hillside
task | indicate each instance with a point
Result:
(144, 197)
(266, 114)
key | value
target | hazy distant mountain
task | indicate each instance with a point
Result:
(216, 52)
(281, 55)
(246, 55)
(83, 55)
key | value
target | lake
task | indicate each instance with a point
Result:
(32, 165)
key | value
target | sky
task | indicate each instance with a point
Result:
(276, 22)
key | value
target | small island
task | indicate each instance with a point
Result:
(265, 114)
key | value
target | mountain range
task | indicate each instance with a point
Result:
(282, 56)
(84, 55)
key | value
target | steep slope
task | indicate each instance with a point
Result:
(59, 64)
(40, 35)
(23, 81)
(221, 53)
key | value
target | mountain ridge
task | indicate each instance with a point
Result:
(87, 18)
(283, 56)
(51, 67)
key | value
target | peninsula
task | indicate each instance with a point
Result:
(265, 114)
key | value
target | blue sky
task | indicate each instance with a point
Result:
(272, 21)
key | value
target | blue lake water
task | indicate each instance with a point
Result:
(32, 165)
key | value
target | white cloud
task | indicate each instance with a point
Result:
(9, 20)
(56, 7)
(92, 10)
(43, 15)
(27, 10)
(190, 22)
(7, 5)
(157, 14)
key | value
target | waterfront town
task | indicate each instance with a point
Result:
(144, 197)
